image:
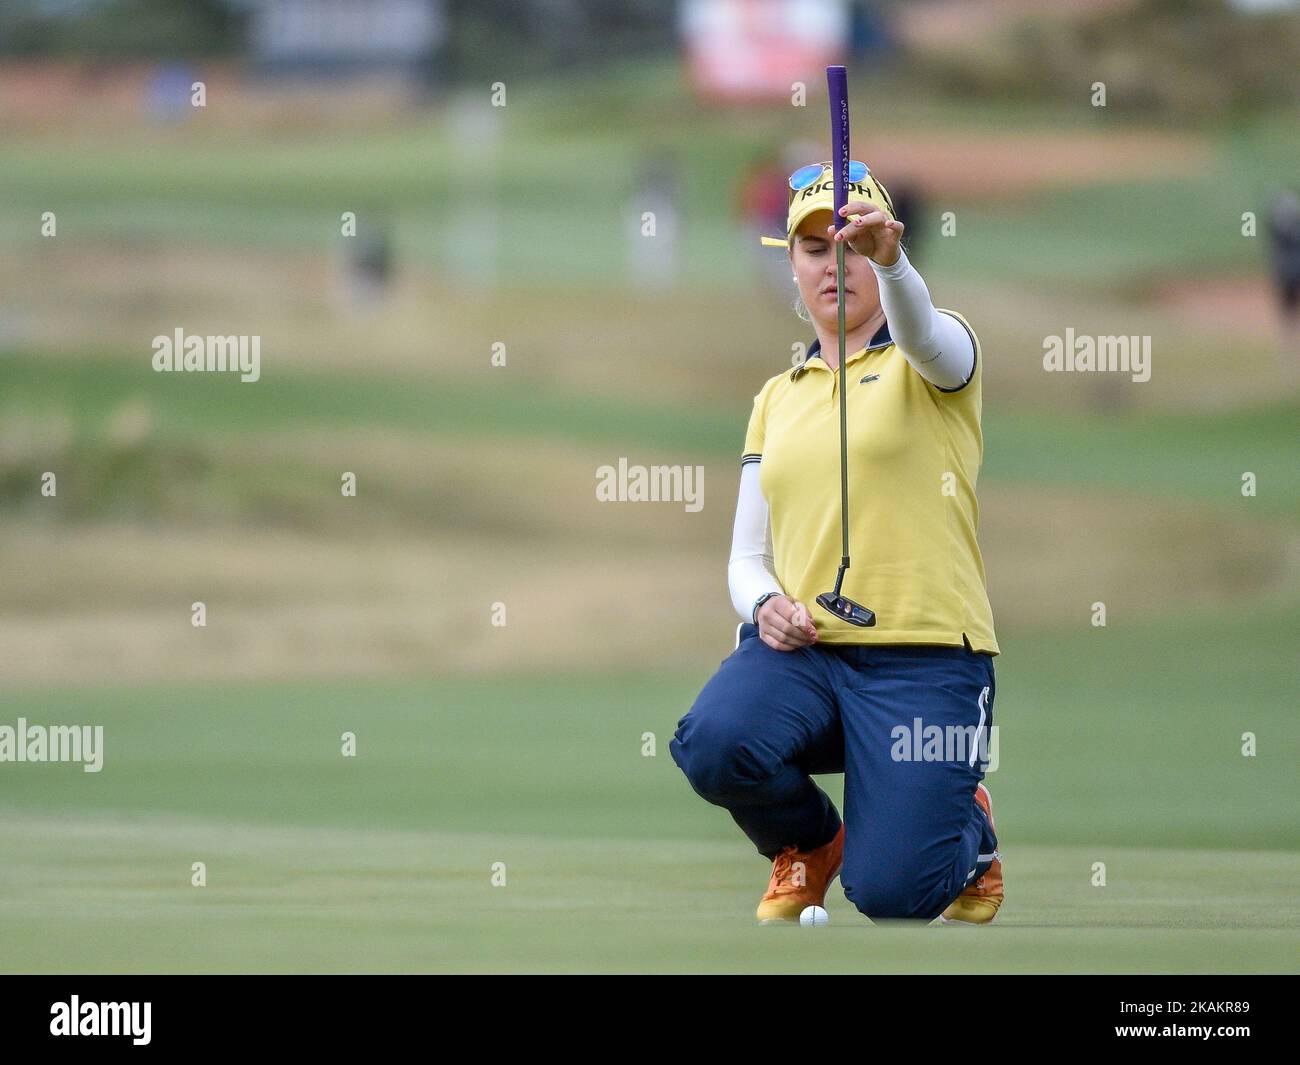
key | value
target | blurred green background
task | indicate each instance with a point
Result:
(479, 225)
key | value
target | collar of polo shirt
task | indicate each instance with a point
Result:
(881, 339)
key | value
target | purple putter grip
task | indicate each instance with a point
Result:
(837, 89)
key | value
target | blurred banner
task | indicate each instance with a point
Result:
(755, 49)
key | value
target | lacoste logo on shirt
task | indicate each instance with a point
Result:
(870, 377)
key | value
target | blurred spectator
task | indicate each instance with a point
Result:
(169, 91)
(870, 35)
(1284, 253)
(369, 266)
(655, 222)
(762, 199)
(909, 208)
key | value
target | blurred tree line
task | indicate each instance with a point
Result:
(1178, 58)
(525, 37)
(120, 29)
(515, 37)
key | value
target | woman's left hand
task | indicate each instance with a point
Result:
(873, 233)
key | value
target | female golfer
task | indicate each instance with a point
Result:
(902, 708)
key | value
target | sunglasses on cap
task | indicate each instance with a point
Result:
(808, 175)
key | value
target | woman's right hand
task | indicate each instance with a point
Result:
(784, 624)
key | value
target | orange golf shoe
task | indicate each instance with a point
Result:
(799, 879)
(979, 903)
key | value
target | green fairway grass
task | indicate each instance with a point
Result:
(1190, 455)
(101, 894)
(1119, 747)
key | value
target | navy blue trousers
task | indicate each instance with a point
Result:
(906, 725)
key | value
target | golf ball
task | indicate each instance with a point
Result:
(814, 915)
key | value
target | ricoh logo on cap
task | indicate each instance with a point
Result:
(829, 186)
(75, 1017)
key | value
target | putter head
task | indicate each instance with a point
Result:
(847, 610)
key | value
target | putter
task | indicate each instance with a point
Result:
(844, 608)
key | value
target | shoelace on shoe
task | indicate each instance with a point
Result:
(783, 871)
